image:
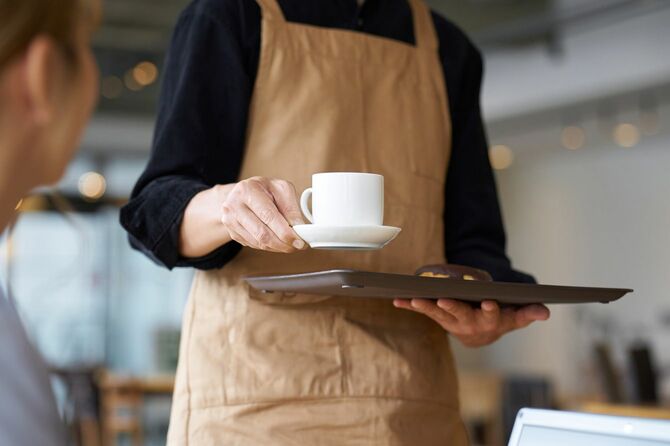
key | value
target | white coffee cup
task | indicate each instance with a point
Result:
(345, 199)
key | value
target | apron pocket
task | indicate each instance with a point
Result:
(279, 352)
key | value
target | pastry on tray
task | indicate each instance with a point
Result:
(449, 271)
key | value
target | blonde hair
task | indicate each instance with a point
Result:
(22, 20)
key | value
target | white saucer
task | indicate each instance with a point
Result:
(347, 237)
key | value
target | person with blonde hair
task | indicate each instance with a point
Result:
(48, 84)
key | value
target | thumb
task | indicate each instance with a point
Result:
(532, 313)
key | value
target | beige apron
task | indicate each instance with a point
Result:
(276, 369)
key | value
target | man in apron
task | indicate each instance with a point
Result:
(258, 96)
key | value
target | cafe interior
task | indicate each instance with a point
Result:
(576, 99)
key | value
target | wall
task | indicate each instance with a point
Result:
(598, 216)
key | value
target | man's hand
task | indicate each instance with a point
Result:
(260, 212)
(256, 212)
(475, 327)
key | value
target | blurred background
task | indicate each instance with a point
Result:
(577, 103)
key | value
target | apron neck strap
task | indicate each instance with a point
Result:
(424, 29)
(271, 10)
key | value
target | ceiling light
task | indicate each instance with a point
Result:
(501, 157)
(111, 87)
(92, 185)
(131, 83)
(626, 135)
(145, 73)
(573, 137)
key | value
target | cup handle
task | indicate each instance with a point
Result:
(304, 198)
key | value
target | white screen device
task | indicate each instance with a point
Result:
(539, 427)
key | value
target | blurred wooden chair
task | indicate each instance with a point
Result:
(490, 401)
(121, 403)
(519, 391)
(623, 410)
(81, 403)
(480, 401)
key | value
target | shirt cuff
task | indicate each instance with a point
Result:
(153, 221)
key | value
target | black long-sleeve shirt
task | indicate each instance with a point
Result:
(202, 120)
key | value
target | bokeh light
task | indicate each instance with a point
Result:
(111, 87)
(626, 135)
(92, 185)
(145, 73)
(573, 137)
(501, 157)
(130, 81)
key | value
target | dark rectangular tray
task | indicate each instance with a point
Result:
(352, 283)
